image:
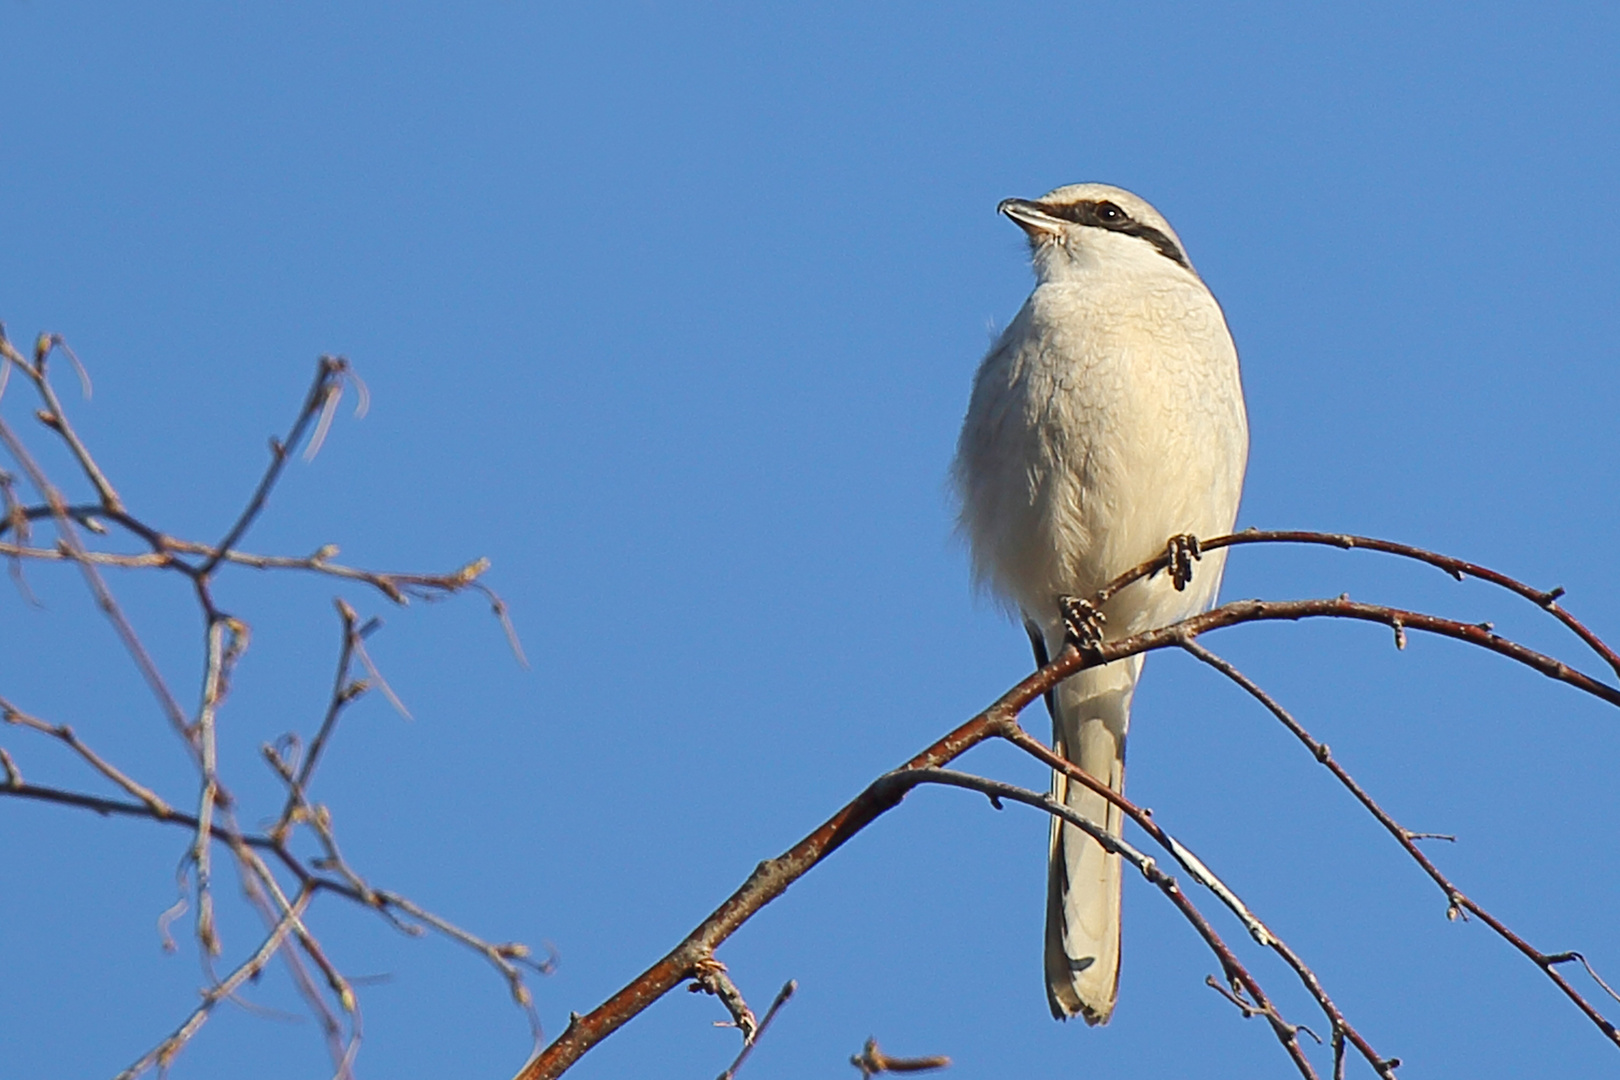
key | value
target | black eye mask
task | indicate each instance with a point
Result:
(1107, 215)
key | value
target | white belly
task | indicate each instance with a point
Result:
(1102, 424)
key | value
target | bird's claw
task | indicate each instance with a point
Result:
(1082, 622)
(1182, 551)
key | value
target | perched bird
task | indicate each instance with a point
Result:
(1106, 422)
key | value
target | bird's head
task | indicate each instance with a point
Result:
(1084, 226)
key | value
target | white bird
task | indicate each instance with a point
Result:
(1106, 421)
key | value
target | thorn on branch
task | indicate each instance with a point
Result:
(872, 1061)
(13, 776)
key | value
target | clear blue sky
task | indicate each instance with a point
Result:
(672, 314)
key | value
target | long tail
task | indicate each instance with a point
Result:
(1090, 715)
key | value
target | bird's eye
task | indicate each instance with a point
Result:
(1109, 214)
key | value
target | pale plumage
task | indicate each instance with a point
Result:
(1106, 419)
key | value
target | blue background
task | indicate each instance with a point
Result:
(671, 312)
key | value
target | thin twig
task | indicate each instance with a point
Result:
(13, 715)
(1237, 976)
(98, 588)
(225, 640)
(163, 1054)
(1546, 599)
(872, 1061)
(781, 999)
(772, 877)
(711, 977)
(343, 692)
(1455, 899)
(54, 416)
(1202, 874)
(329, 374)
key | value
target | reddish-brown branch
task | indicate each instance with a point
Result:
(694, 956)
(1547, 962)
(1546, 599)
(774, 876)
(1237, 975)
(768, 881)
(1262, 934)
(1247, 611)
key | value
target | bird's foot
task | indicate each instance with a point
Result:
(1082, 622)
(1182, 551)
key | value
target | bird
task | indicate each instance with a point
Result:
(1106, 426)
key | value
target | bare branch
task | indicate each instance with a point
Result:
(54, 416)
(1455, 899)
(1237, 976)
(872, 1061)
(74, 549)
(329, 375)
(163, 1054)
(772, 877)
(1546, 599)
(782, 997)
(225, 641)
(711, 977)
(1201, 873)
(13, 715)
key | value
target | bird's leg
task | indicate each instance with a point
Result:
(1082, 622)
(1182, 551)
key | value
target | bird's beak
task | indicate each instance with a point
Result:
(1031, 217)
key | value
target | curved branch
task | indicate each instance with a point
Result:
(769, 880)
(1547, 599)
(1262, 934)
(772, 877)
(1455, 898)
(1237, 975)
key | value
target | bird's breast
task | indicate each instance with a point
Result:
(1102, 423)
